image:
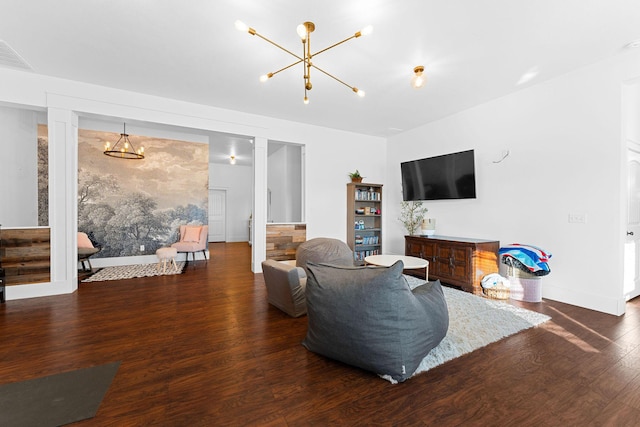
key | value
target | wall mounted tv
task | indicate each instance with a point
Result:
(450, 176)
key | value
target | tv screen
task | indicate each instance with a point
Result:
(450, 176)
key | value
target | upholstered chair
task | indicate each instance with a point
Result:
(86, 249)
(193, 238)
(324, 250)
(285, 286)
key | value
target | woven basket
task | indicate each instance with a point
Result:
(498, 292)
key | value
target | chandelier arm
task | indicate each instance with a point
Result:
(287, 67)
(278, 46)
(334, 45)
(332, 76)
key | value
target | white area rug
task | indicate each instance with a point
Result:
(131, 271)
(475, 322)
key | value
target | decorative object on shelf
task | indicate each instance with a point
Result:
(418, 80)
(411, 215)
(124, 151)
(428, 227)
(304, 30)
(356, 177)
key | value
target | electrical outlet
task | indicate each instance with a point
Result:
(578, 218)
(141, 248)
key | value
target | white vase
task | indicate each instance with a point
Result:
(428, 227)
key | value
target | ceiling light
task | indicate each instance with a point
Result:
(304, 31)
(232, 160)
(418, 80)
(123, 148)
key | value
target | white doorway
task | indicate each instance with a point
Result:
(217, 215)
(631, 136)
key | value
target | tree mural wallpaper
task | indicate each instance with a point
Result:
(125, 204)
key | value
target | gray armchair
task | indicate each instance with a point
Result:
(285, 286)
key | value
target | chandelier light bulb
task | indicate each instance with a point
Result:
(232, 160)
(241, 26)
(306, 100)
(366, 30)
(264, 78)
(302, 31)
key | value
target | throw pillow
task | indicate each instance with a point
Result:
(83, 240)
(369, 317)
(192, 233)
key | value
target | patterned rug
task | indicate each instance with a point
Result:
(132, 271)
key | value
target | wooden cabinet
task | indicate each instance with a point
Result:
(364, 219)
(456, 261)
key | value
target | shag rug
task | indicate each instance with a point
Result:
(475, 322)
(132, 271)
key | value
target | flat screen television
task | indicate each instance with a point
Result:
(450, 176)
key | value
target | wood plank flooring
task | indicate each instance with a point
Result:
(205, 349)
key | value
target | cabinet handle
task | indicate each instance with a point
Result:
(629, 233)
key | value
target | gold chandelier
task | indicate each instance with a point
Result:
(304, 30)
(124, 151)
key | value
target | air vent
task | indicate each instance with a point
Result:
(10, 58)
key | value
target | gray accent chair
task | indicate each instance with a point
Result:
(286, 280)
(285, 286)
(324, 250)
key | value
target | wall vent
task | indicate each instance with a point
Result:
(10, 58)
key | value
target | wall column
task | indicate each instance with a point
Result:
(63, 191)
(259, 229)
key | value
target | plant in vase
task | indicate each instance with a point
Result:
(411, 215)
(355, 176)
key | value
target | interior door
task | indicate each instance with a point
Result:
(631, 135)
(217, 215)
(632, 243)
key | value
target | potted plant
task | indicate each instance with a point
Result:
(355, 176)
(411, 215)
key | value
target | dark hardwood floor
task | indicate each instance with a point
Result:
(205, 349)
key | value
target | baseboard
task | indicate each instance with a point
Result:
(604, 304)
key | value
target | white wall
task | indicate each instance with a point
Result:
(330, 155)
(236, 181)
(18, 167)
(564, 136)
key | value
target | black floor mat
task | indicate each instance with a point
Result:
(57, 399)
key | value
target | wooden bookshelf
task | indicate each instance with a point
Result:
(364, 219)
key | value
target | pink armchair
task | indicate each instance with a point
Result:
(193, 238)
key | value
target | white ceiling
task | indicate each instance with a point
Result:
(473, 51)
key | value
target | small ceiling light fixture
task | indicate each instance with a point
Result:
(232, 160)
(304, 30)
(124, 151)
(418, 80)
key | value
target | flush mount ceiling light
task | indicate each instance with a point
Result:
(304, 30)
(418, 80)
(123, 148)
